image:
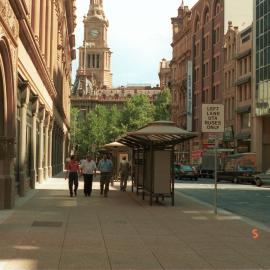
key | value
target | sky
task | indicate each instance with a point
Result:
(139, 35)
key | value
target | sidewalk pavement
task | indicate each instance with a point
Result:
(52, 231)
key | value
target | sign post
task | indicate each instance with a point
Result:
(213, 121)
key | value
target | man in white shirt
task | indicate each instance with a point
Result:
(88, 168)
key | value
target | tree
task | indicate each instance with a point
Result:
(137, 112)
(162, 105)
(74, 128)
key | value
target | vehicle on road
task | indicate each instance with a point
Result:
(240, 174)
(238, 168)
(187, 172)
(207, 166)
(262, 178)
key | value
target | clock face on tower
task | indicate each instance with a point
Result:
(94, 33)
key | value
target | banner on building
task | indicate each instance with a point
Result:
(213, 118)
(189, 95)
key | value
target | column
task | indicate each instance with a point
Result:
(41, 150)
(42, 26)
(46, 146)
(50, 148)
(25, 94)
(35, 109)
(53, 38)
(36, 18)
(64, 152)
(48, 32)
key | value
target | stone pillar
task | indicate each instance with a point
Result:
(46, 146)
(25, 94)
(48, 32)
(64, 151)
(50, 149)
(42, 26)
(53, 39)
(41, 148)
(7, 161)
(257, 141)
(36, 18)
(35, 110)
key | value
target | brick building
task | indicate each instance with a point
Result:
(211, 60)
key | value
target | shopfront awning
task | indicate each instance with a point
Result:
(159, 133)
(244, 109)
(243, 136)
(243, 80)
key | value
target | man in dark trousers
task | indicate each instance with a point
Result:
(124, 173)
(88, 168)
(105, 166)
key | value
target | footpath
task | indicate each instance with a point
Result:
(50, 230)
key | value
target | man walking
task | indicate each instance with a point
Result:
(88, 168)
(105, 166)
(124, 173)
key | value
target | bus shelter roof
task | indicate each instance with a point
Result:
(159, 133)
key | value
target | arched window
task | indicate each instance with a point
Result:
(197, 24)
(217, 8)
(206, 16)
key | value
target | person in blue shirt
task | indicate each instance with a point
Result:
(105, 166)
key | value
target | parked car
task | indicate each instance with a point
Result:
(187, 171)
(262, 178)
(176, 169)
(239, 175)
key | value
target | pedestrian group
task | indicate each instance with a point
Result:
(88, 168)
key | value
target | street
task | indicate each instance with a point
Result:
(246, 200)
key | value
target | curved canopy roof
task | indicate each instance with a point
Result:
(159, 133)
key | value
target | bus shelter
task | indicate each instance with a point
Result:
(153, 158)
(118, 151)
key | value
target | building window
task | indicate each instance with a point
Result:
(245, 120)
(205, 69)
(93, 60)
(216, 35)
(216, 63)
(89, 60)
(98, 60)
(215, 92)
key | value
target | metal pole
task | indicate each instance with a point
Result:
(215, 203)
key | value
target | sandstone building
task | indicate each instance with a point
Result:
(36, 50)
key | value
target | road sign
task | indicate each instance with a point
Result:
(213, 118)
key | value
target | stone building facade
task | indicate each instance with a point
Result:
(244, 132)
(93, 84)
(36, 50)
(181, 55)
(164, 74)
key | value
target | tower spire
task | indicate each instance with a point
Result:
(182, 4)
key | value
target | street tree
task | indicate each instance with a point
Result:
(137, 112)
(163, 105)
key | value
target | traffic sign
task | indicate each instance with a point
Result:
(213, 118)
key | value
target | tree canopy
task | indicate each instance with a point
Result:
(105, 124)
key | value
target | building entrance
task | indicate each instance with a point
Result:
(7, 127)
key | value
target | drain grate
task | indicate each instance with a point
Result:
(47, 224)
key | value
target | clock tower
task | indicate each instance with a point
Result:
(95, 55)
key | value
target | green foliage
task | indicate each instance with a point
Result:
(104, 125)
(137, 112)
(162, 105)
